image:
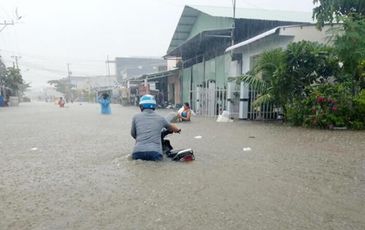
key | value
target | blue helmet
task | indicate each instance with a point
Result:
(147, 102)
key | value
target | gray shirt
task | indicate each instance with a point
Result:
(146, 129)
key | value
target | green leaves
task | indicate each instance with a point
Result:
(350, 48)
(280, 76)
(329, 11)
(255, 82)
(61, 86)
(12, 78)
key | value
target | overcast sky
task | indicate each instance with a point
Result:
(52, 33)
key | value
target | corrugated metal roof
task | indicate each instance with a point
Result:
(199, 37)
(191, 13)
(259, 14)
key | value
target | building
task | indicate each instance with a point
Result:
(165, 85)
(246, 53)
(200, 41)
(132, 67)
(93, 82)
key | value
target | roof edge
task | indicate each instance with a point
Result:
(263, 35)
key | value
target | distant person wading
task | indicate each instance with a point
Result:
(105, 104)
(61, 102)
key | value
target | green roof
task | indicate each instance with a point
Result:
(223, 15)
(259, 14)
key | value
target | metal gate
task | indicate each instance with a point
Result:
(265, 111)
(209, 101)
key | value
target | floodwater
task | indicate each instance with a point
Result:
(68, 169)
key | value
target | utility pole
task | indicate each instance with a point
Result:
(234, 22)
(5, 23)
(69, 72)
(108, 70)
(69, 80)
(16, 61)
(107, 65)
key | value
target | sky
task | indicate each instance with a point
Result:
(54, 33)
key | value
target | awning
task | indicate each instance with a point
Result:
(153, 76)
(253, 39)
(278, 30)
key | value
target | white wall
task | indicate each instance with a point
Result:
(307, 33)
(285, 36)
(171, 63)
(260, 46)
(97, 81)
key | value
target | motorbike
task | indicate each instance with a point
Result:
(175, 155)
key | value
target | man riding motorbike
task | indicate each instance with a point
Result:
(146, 130)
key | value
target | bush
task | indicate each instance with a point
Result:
(326, 106)
(358, 125)
(296, 112)
(359, 111)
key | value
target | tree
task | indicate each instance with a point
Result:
(350, 47)
(349, 40)
(14, 79)
(11, 78)
(267, 78)
(309, 63)
(63, 86)
(2, 73)
(329, 11)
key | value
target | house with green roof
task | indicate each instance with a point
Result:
(202, 36)
(248, 52)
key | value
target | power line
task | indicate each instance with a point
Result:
(38, 57)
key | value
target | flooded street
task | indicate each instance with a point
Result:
(67, 169)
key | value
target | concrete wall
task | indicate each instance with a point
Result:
(213, 69)
(261, 46)
(85, 83)
(287, 35)
(174, 87)
(307, 33)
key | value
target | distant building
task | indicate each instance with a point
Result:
(93, 82)
(133, 67)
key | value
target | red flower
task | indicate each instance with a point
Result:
(334, 108)
(319, 99)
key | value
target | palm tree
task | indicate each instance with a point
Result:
(268, 78)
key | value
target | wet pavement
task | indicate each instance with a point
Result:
(67, 169)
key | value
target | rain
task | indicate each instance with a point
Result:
(186, 114)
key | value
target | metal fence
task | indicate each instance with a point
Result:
(263, 112)
(211, 101)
